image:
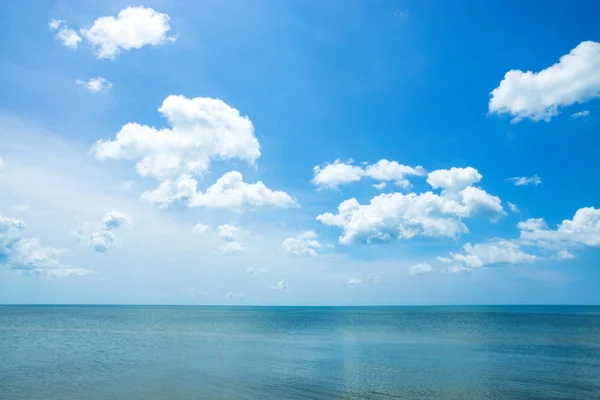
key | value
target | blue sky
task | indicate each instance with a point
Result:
(319, 101)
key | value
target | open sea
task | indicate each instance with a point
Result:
(164, 352)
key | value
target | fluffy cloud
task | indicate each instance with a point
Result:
(513, 207)
(95, 85)
(99, 236)
(199, 229)
(420, 269)
(27, 256)
(497, 251)
(66, 35)
(453, 179)
(380, 185)
(404, 216)
(303, 244)
(582, 230)
(525, 181)
(281, 285)
(331, 176)
(385, 170)
(580, 114)
(202, 130)
(134, 27)
(538, 96)
(229, 232)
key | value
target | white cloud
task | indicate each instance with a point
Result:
(232, 247)
(494, 252)
(380, 185)
(453, 179)
(200, 228)
(202, 130)
(532, 224)
(332, 175)
(456, 269)
(404, 216)
(373, 279)
(444, 260)
(525, 181)
(565, 255)
(580, 114)
(2, 164)
(66, 35)
(281, 285)
(352, 282)
(385, 170)
(95, 85)
(420, 269)
(229, 232)
(513, 207)
(126, 185)
(582, 230)
(27, 256)
(99, 236)
(133, 28)
(539, 96)
(303, 244)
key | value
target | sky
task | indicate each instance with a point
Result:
(299, 153)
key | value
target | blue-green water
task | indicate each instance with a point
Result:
(120, 352)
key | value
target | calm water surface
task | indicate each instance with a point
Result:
(121, 352)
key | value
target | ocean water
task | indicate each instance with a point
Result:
(123, 352)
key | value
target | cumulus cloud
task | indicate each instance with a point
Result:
(331, 176)
(199, 229)
(95, 85)
(229, 232)
(580, 114)
(526, 181)
(201, 130)
(420, 269)
(582, 230)
(281, 285)
(539, 96)
(385, 170)
(305, 243)
(404, 216)
(133, 28)
(335, 174)
(454, 179)
(27, 256)
(66, 35)
(100, 236)
(513, 207)
(494, 252)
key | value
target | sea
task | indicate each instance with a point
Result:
(188, 352)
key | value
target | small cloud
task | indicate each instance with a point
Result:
(456, 269)
(2, 164)
(281, 285)
(580, 114)
(66, 35)
(95, 85)
(420, 269)
(231, 247)
(513, 207)
(235, 296)
(444, 260)
(374, 279)
(353, 282)
(199, 229)
(305, 243)
(229, 232)
(526, 181)
(99, 236)
(398, 14)
(380, 185)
